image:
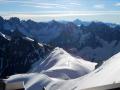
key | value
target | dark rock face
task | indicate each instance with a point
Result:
(18, 53)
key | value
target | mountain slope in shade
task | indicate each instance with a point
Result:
(18, 53)
(57, 67)
(107, 73)
(85, 39)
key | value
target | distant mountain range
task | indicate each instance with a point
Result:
(25, 41)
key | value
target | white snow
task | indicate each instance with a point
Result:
(29, 39)
(41, 45)
(108, 73)
(5, 36)
(58, 67)
(60, 64)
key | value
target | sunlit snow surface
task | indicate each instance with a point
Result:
(108, 73)
(58, 69)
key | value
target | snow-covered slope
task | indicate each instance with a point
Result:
(108, 73)
(62, 65)
(59, 66)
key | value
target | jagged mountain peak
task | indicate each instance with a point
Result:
(77, 21)
(70, 36)
(18, 51)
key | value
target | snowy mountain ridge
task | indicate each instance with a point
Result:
(60, 61)
(46, 73)
(107, 73)
(22, 45)
(76, 37)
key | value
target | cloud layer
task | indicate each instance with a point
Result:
(52, 9)
(60, 14)
(99, 6)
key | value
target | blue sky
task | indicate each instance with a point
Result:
(45, 10)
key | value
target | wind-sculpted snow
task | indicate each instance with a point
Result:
(107, 73)
(59, 66)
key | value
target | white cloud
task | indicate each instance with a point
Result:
(55, 14)
(107, 16)
(99, 6)
(77, 4)
(44, 5)
(117, 4)
(28, 16)
(36, 4)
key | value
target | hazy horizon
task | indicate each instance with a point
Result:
(69, 10)
(65, 20)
